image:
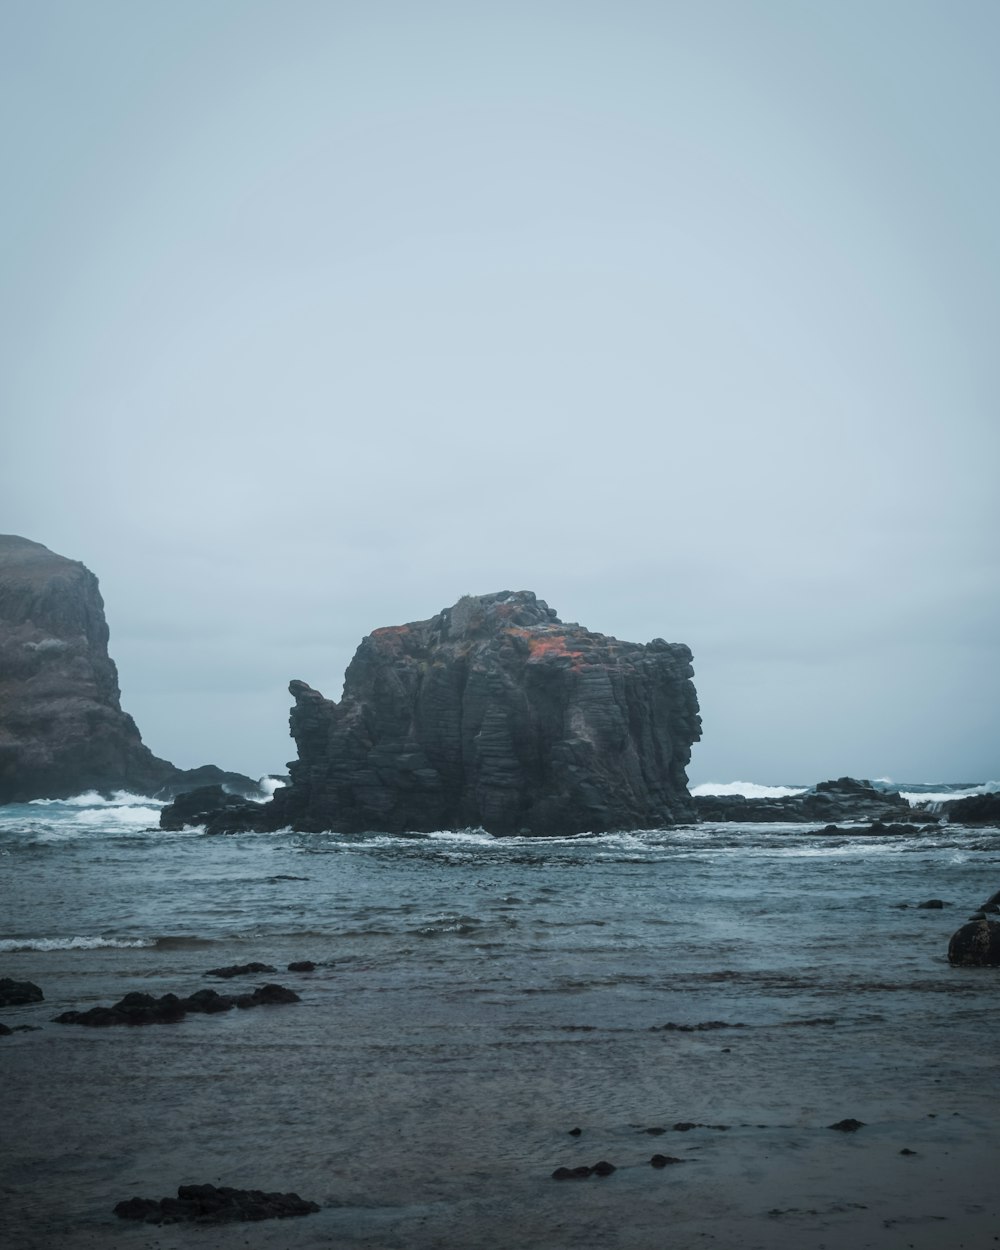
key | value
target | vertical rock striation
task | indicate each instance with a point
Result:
(62, 729)
(495, 714)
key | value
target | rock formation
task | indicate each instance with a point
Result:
(828, 801)
(974, 809)
(62, 729)
(976, 945)
(495, 714)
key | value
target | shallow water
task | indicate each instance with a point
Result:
(473, 1001)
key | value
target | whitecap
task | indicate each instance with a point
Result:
(11, 945)
(90, 798)
(748, 789)
(921, 797)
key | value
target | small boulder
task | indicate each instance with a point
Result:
(239, 970)
(932, 904)
(847, 1126)
(17, 993)
(300, 965)
(976, 945)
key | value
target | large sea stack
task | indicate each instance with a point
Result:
(62, 729)
(495, 714)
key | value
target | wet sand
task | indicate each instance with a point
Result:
(419, 1128)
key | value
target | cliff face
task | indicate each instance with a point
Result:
(62, 730)
(495, 714)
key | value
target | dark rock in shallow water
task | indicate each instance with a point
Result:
(206, 1204)
(138, 1008)
(5, 1031)
(843, 799)
(238, 970)
(494, 714)
(198, 807)
(976, 945)
(974, 809)
(847, 1126)
(302, 965)
(16, 993)
(64, 731)
(931, 904)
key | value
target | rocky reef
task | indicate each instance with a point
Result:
(62, 728)
(845, 798)
(495, 714)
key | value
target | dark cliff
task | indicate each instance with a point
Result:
(62, 729)
(495, 714)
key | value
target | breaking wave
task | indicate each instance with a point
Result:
(12, 945)
(749, 789)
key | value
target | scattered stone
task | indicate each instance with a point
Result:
(684, 1126)
(934, 903)
(136, 1008)
(301, 965)
(661, 1161)
(206, 1204)
(656, 1131)
(582, 1172)
(5, 1031)
(847, 1126)
(240, 970)
(17, 993)
(575, 1132)
(907, 1151)
(976, 945)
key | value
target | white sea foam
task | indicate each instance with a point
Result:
(90, 798)
(10, 945)
(269, 784)
(921, 797)
(749, 789)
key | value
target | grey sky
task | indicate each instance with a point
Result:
(316, 316)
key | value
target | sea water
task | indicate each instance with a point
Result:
(474, 999)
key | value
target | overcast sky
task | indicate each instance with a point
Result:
(318, 315)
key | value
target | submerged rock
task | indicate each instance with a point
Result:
(976, 945)
(206, 1204)
(495, 714)
(137, 1008)
(63, 729)
(17, 993)
(239, 970)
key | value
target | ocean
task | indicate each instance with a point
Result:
(718, 994)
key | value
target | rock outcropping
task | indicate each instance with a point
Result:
(495, 714)
(827, 801)
(62, 729)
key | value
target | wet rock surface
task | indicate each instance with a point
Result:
(198, 806)
(494, 714)
(843, 799)
(974, 809)
(239, 970)
(976, 945)
(17, 993)
(138, 1008)
(208, 1204)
